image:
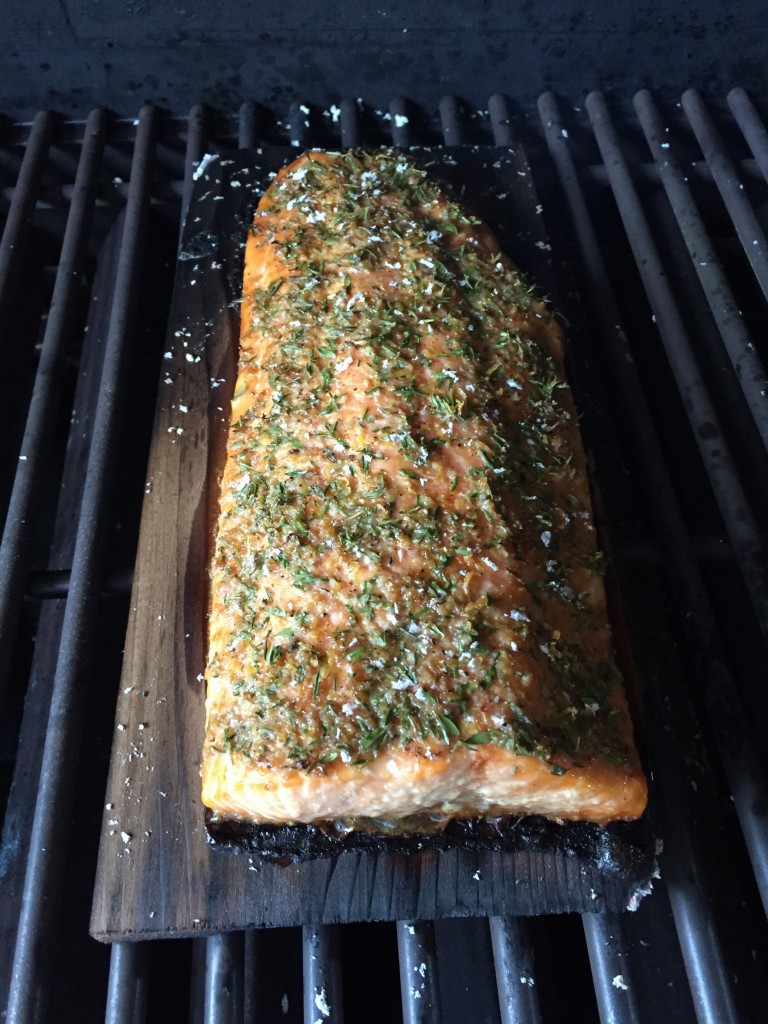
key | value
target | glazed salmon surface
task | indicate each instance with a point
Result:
(407, 608)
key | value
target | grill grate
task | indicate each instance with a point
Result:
(656, 220)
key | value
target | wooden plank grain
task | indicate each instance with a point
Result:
(154, 863)
(157, 876)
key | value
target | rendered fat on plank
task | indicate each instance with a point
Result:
(407, 612)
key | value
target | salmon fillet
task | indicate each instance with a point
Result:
(407, 611)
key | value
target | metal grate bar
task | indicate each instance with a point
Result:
(744, 533)
(419, 981)
(322, 974)
(515, 971)
(246, 126)
(127, 991)
(725, 309)
(752, 128)
(51, 584)
(686, 900)
(745, 770)
(16, 231)
(23, 512)
(351, 130)
(609, 960)
(451, 121)
(224, 979)
(400, 126)
(197, 138)
(498, 109)
(197, 981)
(52, 810)
(700, 945)
(730, 187)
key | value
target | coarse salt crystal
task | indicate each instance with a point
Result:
(207, 159)
(322, 1003)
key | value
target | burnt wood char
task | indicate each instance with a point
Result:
(621, 849)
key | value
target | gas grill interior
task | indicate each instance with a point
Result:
(656, 216)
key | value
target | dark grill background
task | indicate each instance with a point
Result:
(662, 267)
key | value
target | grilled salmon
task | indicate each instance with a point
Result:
(407, 611)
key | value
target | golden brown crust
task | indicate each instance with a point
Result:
(407, 613)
